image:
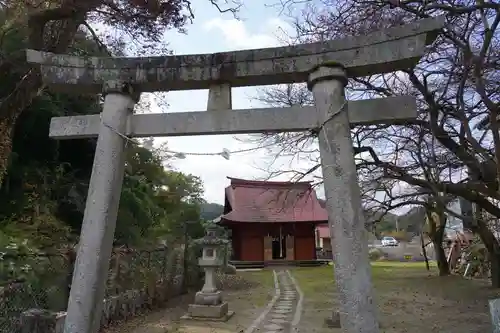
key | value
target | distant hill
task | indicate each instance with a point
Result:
(414, 219)
(210, 211)
(410, 222)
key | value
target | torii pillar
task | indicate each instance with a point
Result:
(358, 310)
(101, 210)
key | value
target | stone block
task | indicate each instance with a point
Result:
(203, 298)
(209, 312)
(215, 262)
(333, 321)
(42, 321)
(219, 97)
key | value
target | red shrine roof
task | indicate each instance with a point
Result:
(272, 201)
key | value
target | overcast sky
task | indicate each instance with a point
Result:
(259, 26)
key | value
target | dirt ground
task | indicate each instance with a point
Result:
(247, 293)
(410, 300)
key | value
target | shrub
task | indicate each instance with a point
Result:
(229, 269)
(375, 254)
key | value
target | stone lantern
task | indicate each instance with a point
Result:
(208, 304)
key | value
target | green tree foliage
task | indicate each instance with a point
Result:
(42, 199)
(55, 25)
(410, 223)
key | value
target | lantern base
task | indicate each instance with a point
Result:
(204, 298)
(208, 312)
(334, 320)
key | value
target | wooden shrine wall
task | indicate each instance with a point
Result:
(248, 240)
(305, 242)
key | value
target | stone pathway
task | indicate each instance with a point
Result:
(284, 311)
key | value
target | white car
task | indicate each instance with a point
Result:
(389, 241)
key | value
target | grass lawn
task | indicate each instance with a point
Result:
(410, 299)
(254, 287)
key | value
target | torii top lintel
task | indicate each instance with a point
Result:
(382, 51)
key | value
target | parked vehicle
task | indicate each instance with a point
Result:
(389, 241)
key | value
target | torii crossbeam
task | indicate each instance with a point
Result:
(393, 110)
(326, 67)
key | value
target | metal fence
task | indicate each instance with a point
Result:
(43, 280)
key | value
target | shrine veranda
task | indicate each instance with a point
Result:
(325, 66)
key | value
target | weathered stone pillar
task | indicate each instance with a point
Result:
(96, 240)
(42, 321)
(268, 248)
(219, 97)
(343, 201)
(495, 314)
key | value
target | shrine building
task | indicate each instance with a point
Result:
(272, 221)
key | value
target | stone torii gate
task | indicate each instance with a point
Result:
(326, 67)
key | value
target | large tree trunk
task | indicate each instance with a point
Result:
(437, 242)
(493, 248)
(436, 234)
(424, 250)
(443, 267)
(495, 270)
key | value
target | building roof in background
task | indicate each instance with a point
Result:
(272, 202)
(323, 231)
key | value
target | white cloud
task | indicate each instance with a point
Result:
(229, 34)
(272, 33)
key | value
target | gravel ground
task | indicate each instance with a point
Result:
(247, 294)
